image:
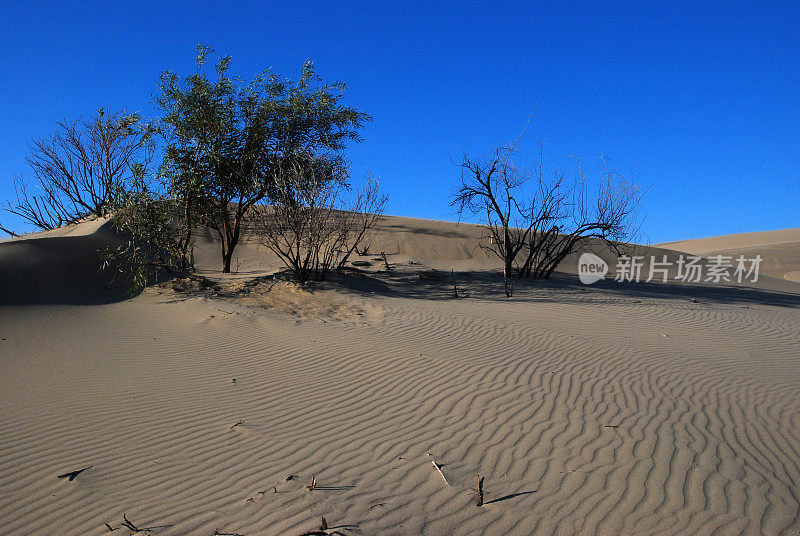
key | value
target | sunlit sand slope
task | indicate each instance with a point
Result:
(780, 250)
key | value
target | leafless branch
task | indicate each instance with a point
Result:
(533, 233)
(80, 169)
(312, 226)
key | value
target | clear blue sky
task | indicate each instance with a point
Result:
(699, 100)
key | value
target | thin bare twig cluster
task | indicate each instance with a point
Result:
(533, 232)
(315, 223)
(80, 169)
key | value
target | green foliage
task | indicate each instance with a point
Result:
(229, 145)
(227, 139)
(153, 236)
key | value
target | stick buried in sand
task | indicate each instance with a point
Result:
(240, 423)
(129, 525)
(436, 466)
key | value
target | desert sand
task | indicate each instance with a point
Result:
(208, 403)
(780, 250)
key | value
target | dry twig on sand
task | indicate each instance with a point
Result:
(439, 469)
(323, 530)
(127, 523)
(480, 491)
(72, 474)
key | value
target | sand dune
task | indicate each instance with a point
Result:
(780, 249)
(612, 409)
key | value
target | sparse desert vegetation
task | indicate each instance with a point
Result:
(534, 221)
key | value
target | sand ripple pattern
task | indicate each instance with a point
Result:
(606, 417)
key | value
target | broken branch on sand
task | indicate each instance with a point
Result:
(72, 474)
(127, 523)
(439, 469)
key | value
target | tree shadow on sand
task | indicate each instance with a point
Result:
(61, 270)
(561, 288)
(64, 270)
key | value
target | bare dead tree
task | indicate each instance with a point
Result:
(533, 235)
(490, 188)
(312, 225)
(80, 169)
(567, 220)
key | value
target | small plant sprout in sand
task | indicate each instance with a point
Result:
(323, 530)
(457, 293)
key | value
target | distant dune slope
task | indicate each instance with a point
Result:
(440, 244)
(62, 266)
(780, 250)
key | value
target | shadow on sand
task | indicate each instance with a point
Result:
(59, 270)
(65, 271)
(561, 288)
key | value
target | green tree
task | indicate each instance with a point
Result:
(227, 140)
(153, 236)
